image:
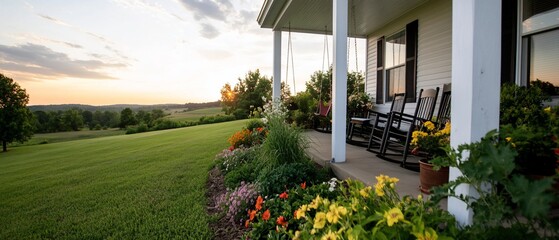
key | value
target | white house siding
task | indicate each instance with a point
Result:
(434, 52)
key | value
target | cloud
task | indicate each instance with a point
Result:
(206, 11)
(208, 31)
(213, 9)
(108, 44)
(54, 20)
(144, 5)
(44, 63)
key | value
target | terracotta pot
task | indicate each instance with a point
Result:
(430, 178)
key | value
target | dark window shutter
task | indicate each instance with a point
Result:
(380, 71)
(411, 60)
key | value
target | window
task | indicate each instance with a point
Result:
(540, 45)
(397, 64)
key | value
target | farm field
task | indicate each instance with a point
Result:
(149, 185)
(43, 138)
(194, 115)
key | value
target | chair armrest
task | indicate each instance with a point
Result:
(402, 116)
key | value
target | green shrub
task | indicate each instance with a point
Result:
(140, 128)
(505, 201)
(229, 160)
(216, 119)
(278, 179)
(255, 123)
(535, 147)
(162, 124)
(240, 114)
(303, 115)
(243, 173)
(522, 105)
(284, 144)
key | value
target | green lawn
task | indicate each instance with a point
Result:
(148, 186)
(195, 114)
(43, 138)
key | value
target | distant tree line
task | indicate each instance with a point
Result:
(75, 119)
(120, 107)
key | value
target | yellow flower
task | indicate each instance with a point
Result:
(420, 197)
(393, 216)
(446, 129)
(354, 204)
(508, 139)
(365, 191)
(314, 204)
(329, 236)
(378, 190)
(319, 220)
(297, 235)
(429, 125)
(428, 234)
(547, 109)
(301, 212)
(335, 213)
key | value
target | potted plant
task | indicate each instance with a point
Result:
(431, 142)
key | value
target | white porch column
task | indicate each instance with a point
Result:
(276, 88)
(339, 93)
(476, 64)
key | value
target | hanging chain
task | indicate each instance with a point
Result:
(290, 53)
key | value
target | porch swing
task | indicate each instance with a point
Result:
(323, 110)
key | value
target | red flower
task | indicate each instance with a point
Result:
(259, 201)
(557, 151)
(266, 215)
(246, 224)
(304, 185)
(231, 148)
(281, 221)
(284, 195)
(251, 214)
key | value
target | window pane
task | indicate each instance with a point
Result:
(395, 49)
(535, 7)
(396, 81)
(544, 58)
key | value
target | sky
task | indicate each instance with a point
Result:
(103, 52)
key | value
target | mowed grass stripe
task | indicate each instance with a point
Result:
(149, 185)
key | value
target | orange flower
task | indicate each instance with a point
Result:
(251, 214)
(266, 215)
(246, 224)
(259, 201)
(304, 185)
(281, 221)
(284, 195)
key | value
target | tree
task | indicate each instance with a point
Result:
(73, 119)
(41, 121)
(87, 118)
(127, 118)
(228, 99)
(16, 120)
(247, 94)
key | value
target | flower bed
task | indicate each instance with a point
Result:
(280, 194)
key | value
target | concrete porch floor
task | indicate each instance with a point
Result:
(361, 164)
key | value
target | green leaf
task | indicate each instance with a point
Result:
(533, 197)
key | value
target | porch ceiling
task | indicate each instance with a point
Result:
(311, 16)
